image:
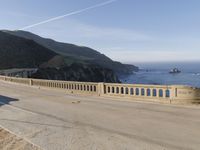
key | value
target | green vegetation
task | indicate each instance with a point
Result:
(16, 52)
(74, 53)
(78, 72)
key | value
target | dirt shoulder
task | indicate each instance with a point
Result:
(9, 141)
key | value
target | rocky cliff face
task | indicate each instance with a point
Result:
(77, 72)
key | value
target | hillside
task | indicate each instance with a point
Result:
(78, 72)
(16, 52)
(74, 53)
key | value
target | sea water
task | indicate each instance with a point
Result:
(158, 73)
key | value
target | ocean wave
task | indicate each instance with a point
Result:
(196, 74)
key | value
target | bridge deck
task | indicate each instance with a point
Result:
(54, 120)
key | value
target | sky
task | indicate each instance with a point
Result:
(125, 30)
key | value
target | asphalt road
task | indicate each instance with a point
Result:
(54, 120)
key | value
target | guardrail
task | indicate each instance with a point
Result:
(161, 93)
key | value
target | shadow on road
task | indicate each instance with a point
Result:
(6, 100)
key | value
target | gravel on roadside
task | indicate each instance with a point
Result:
(9, 141)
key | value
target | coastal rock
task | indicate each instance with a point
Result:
(77, 72)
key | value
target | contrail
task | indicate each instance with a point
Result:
(69, 14)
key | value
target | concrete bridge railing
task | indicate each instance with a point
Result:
(161, 93)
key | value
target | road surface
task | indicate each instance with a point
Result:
(54, 120)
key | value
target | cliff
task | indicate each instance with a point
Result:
(77, 72)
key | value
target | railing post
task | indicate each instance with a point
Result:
(173, 93)
(100, 89)
(30, 82)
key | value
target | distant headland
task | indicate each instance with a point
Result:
(56, 60)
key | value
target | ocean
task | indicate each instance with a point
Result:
(158, 73)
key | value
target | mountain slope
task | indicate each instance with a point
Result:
(16, 52)
(74, 52)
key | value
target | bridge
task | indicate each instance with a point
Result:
(23, 72)
(80, 115)
(159, 93)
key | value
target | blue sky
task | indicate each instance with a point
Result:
(125, 30)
